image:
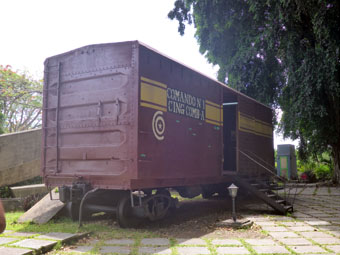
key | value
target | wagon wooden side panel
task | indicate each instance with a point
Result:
(89, 117)
(180, 127)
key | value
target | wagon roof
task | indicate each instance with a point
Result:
(171, 58)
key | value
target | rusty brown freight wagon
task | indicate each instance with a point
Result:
(123, 123)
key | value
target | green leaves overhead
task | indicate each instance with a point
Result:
(283, 53)
(20, 101)
(231, 35)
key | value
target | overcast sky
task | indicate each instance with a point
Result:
(33, 30)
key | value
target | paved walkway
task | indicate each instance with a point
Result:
(20, 243)
(313, 229)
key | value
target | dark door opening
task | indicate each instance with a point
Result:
(229, 136)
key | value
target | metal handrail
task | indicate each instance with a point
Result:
(272, 173)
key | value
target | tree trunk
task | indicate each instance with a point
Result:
(336, 159)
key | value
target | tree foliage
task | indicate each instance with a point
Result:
(284, 53)
(20, 101)
(232, 37)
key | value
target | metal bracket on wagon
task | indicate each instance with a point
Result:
(73, 193)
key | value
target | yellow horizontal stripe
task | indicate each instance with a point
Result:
(163, 109)
(213, 122)
(255, 133)
(212, 113)
(250, 117)
(154, 82)
(153, 94)
(222, 114)
(212, 103)
(254, 126)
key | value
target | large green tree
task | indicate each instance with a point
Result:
(20, 101)
(284, 53)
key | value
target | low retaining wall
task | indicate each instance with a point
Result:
(19, 156)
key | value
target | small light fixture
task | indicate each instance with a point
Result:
(233, 193)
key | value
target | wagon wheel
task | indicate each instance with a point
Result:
(172, 206)
(73, 211)
(157, 206)
(125, 216)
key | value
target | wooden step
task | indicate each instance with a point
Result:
(276, 187)
(288, 208)
(266, 194)
(271, 195)
(263, 190)
(280, 201)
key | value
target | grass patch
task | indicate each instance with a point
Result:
(101, 229)
(247, 246)
(211, 247)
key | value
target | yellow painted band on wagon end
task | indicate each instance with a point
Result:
(213, 113)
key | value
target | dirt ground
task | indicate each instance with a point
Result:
(199, 218)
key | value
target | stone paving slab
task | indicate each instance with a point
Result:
(331, 227)
(57, 236)
(335, 233)
(6, 232)
(33, 241)
(308, 249)
(154, 250)
(126, 242)
(193, 241)
(155, 241)
(260, 241)
(327, 240)
(295, 241)
(299, 214)
(282, 218)
(81, 249)
(283, 234)
(308, 191)
(302, 228)
(331, 219)
(335, 248)
(267, 223)
(258, 218)
(293, 223)
(35, 244)
(304, 219)
(22, 234)
(274, 229)
(6, 240)
(271, 249)
(317, 234)
(226, 242)
(15, 251)
(193, 250)
(232, 250)
(115, 249)
(318, 222)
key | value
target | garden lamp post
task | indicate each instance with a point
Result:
(233, 193)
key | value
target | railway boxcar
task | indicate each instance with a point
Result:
(124, 122)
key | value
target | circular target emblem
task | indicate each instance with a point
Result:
(158, 125)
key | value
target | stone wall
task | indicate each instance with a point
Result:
(19, 156)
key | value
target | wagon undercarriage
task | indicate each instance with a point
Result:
(130, 208)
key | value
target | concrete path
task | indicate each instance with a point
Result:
(313, 229)
(20, 243)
